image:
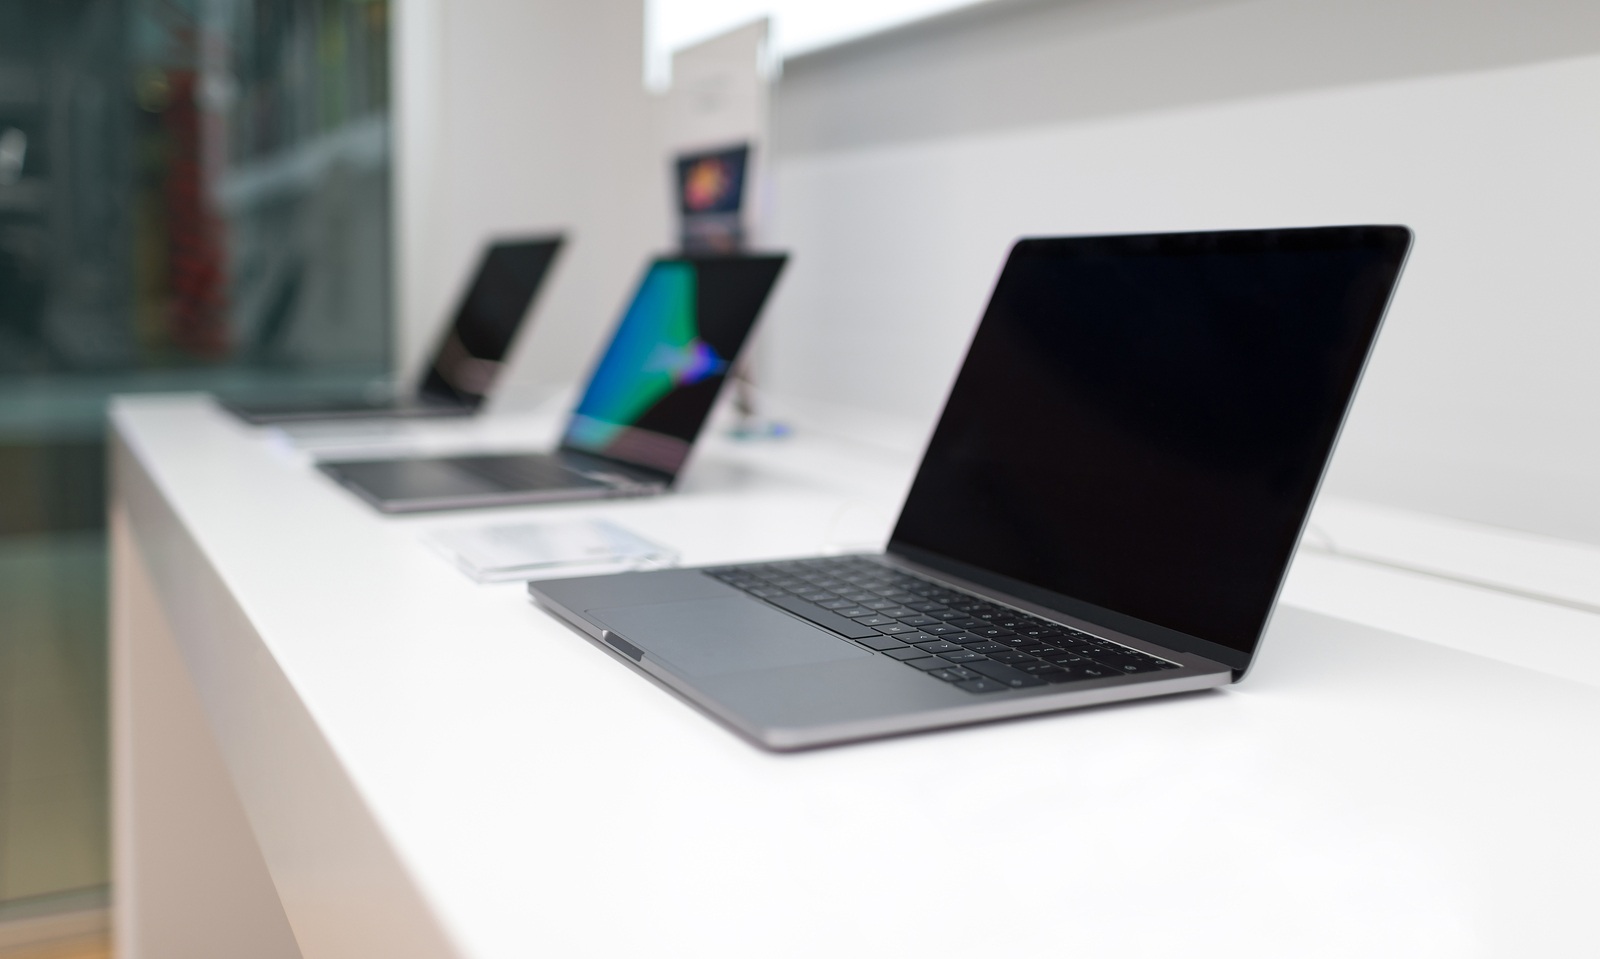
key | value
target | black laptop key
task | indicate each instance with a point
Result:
(1001, 673)
(825, 618)
(1078, 672)
(985, 646)
(981, 686)
(855, 612)
(873, 620)
(1072, 645)
(919, 621)
(1126, 663)
(929, 664)
(960, 656)
(954, 674)
(890, 629)
(939, 629)
(907, 652)
(1012, 658)
(938, 646)
(1091, 670)
(881, 643)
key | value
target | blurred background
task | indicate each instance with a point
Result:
(250, 196)
(194, 195)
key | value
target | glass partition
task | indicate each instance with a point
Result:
(194, 195)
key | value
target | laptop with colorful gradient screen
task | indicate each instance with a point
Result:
(645, 403)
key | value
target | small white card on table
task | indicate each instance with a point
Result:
(513, 551)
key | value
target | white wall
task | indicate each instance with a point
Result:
(907, 164)
(524, 116)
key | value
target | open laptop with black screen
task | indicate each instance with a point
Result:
(643, 407)
(1106, 510)
(466, 361)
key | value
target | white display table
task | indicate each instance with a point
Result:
(328, 742)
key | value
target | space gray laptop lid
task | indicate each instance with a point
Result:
(1141, 423)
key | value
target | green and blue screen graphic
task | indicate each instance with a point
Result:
(658, 378)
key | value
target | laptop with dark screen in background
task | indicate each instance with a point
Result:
(468, 358)
(641, 411)
(1106, 510)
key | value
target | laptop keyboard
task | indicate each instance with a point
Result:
(519, 472)
(953, 636)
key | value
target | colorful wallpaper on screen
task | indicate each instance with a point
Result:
(656, 350)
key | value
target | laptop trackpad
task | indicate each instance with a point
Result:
(709, 637)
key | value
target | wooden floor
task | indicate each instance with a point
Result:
(78, 947)
(70, 925)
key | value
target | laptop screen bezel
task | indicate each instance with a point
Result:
(695, 259)
(1399, 241)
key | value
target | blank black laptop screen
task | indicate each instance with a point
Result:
(653, 388)
(468, 358)
(1141, 422)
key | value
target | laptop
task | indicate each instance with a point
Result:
(466, 361)
(643, 407)
(1106, 509)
